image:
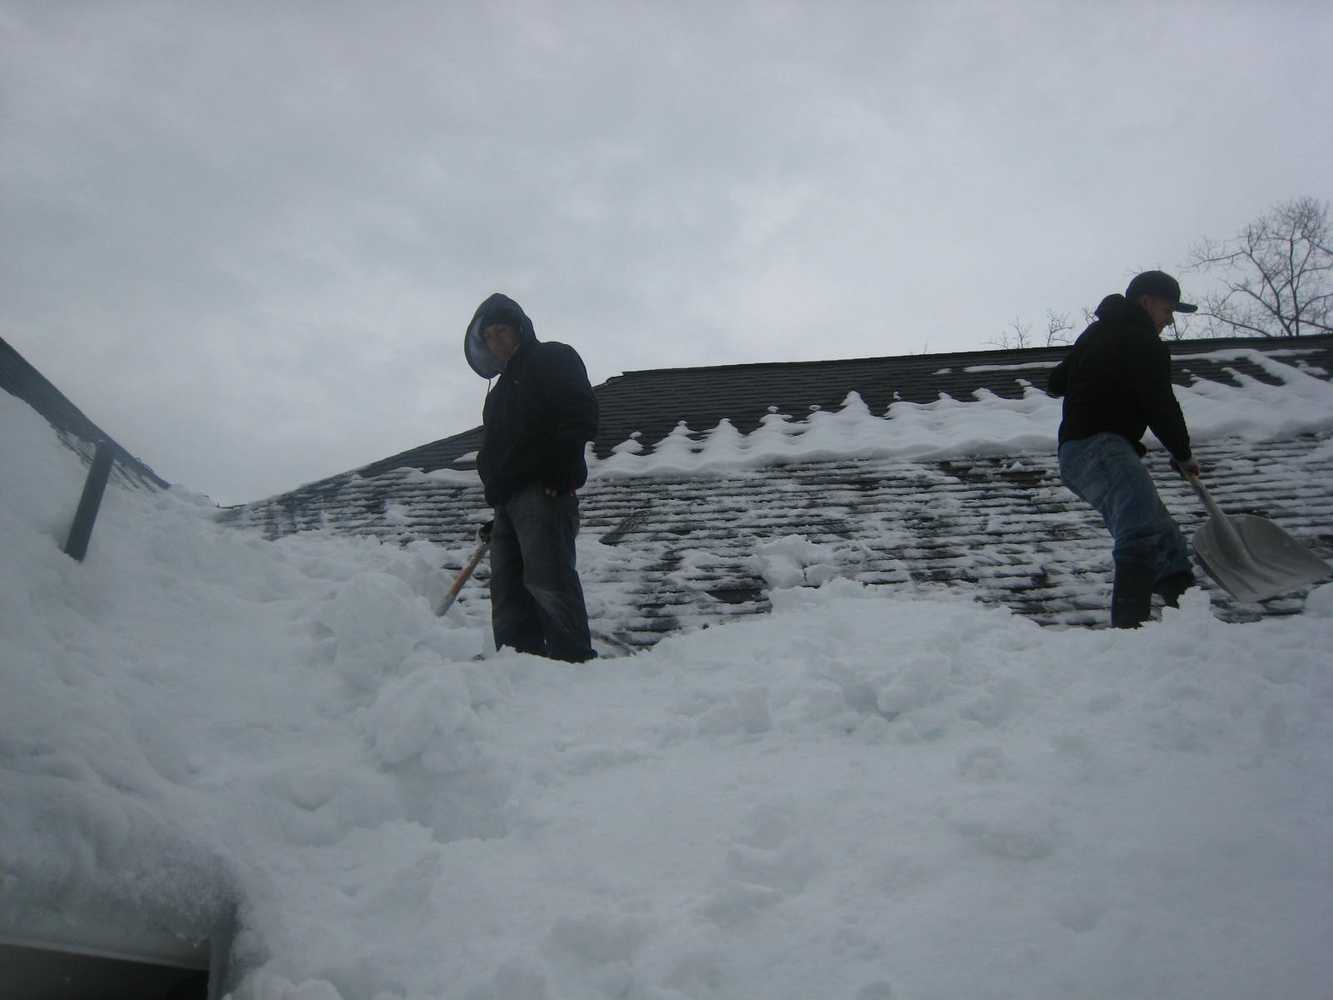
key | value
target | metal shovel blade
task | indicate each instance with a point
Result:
(1250, 556)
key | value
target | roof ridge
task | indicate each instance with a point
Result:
(1203, 344)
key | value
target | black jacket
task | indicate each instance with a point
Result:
(536, 420)
(1117, 377)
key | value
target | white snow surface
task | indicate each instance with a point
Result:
(861, 796)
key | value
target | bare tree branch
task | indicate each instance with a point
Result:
(1059, 330)
(1277, 274)
(1016, 336)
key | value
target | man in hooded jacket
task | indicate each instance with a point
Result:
(536, 420)
(1116, 384)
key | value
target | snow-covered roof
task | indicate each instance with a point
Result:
(864, 469)
(640, 409)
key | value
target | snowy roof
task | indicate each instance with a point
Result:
(901, 484)
(21, 379)
(646, 406)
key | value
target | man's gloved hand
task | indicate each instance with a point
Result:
(484, 531)
(1187, 467)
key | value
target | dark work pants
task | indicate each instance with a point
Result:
(536, 597)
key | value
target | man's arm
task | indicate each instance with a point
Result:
(571, 410)
(570, 401)
(1059, 381)
(1158, 398)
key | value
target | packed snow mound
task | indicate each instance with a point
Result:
(862, 795)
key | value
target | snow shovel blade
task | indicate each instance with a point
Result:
(1251, 557)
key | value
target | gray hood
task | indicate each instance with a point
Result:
(497, 307)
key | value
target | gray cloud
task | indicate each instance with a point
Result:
(246, 238)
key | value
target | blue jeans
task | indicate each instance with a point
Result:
(1107, 472)
(536, 595)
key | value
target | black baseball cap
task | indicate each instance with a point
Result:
(1162, 285)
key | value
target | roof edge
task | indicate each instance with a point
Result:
(1204, 344)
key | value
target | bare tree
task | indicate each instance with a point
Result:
(1277, 274)
(1059, 330)
(1019, 335)
(1015, 336)
(1183, 328)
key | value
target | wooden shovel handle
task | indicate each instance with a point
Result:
(450, 597)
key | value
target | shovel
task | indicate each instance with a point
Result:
(483, 544)
(1250, 556)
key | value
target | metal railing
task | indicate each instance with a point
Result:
(81, 531)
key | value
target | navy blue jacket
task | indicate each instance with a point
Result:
(538, 416)
(1117, 378)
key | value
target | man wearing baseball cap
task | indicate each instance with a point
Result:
(1116, 384)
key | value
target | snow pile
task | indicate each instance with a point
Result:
(795, 561)
(859, 796)
(988, 425)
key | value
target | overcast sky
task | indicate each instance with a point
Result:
(245, 238)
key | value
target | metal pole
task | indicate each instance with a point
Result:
(81, 531)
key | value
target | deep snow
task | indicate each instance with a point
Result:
(863, 795)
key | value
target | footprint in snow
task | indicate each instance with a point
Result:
(1010, 831)
(985, 764)
(764, 865)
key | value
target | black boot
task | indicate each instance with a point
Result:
(1131, 597)
(1170, 588)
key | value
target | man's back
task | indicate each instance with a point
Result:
(537, 419)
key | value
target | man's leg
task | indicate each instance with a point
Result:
(514, 619)
(1131, 595)
(1174, 572)
(1172, 587)
(546, 528)
(1106, 472)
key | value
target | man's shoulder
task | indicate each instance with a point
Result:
(1127, 330)
(554, 347)
(552, 352)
